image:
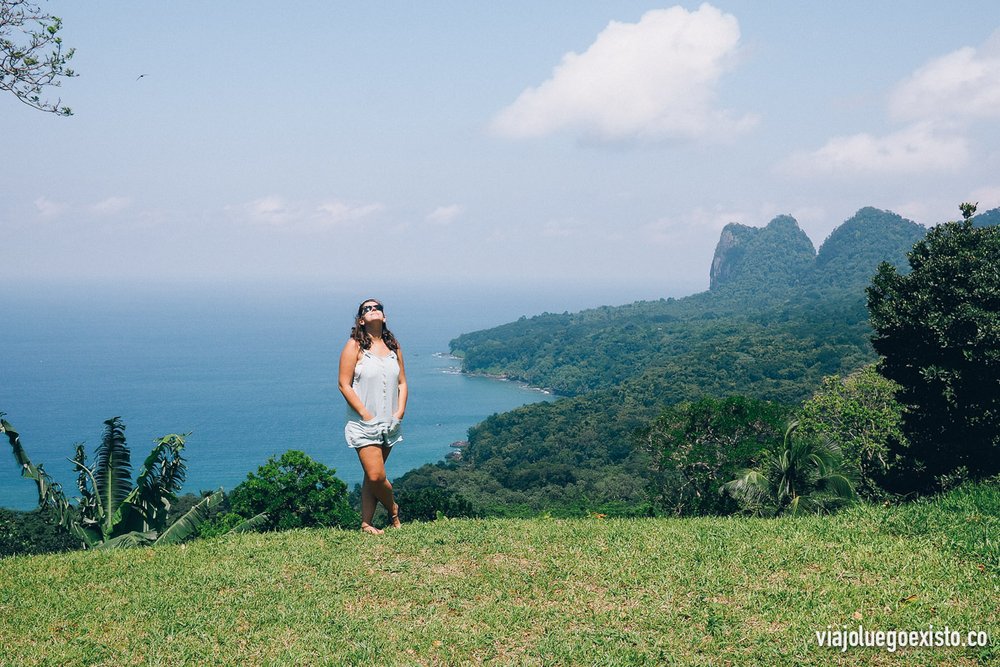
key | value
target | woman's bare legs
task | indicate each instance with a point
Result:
(376, 488)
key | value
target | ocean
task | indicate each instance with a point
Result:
(246, 371)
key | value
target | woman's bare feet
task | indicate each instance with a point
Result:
(370, 529)
(394, 517)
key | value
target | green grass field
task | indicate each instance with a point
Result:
(537, 592)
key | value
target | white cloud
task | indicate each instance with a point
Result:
(914, 149)
(111, 206)
(809, 215)
(277, 211)
(444, 215)
(924, 211)
(938, 101)
(271, 210)
(50, 209)
(654, 79)
(690, 229)
(338, 212)
(963, 84)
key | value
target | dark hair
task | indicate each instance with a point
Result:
(364, 339)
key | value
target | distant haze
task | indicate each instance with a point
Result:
(575, 147)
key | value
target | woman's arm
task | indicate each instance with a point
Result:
(348, 361)
(401, 409)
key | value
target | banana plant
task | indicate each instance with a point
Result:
(111, 511)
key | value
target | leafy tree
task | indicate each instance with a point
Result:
(861, 415)
(806, 476)
(294, 491)
(937, 330)
(31, 54)
(112, 512)
(695, 447)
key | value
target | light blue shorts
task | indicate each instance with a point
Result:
(362, 433)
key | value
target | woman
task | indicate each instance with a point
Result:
(373, 382)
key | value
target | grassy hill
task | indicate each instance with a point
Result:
(541, 591)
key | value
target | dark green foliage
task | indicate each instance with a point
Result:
(570, 458)
(34, 532)
(226, 522)
(938, 332)
(431, 503)
(775, 346)
(295, 492)
(806, 475)
(112, 474)
(696, 447)
(213, 524)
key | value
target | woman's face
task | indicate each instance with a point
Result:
(370, 312)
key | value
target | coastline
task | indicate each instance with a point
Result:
(505, 378)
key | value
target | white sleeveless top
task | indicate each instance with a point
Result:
(376, 382)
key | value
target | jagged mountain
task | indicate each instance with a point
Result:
(779, 254)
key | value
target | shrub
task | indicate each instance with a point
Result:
(294, 491)
(429, 503)
(34, 532)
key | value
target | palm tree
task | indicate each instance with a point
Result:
(806, 476)
(112, 511)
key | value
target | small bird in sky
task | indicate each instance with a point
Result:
(139, 77)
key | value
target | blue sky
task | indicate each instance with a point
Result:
(599, 144)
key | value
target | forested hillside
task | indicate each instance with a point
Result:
(771, 291)
(778, 319)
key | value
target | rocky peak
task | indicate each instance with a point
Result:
(779, 253)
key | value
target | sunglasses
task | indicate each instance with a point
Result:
(370, 308)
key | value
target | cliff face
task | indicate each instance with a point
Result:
(729, 252)
(778, 254)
